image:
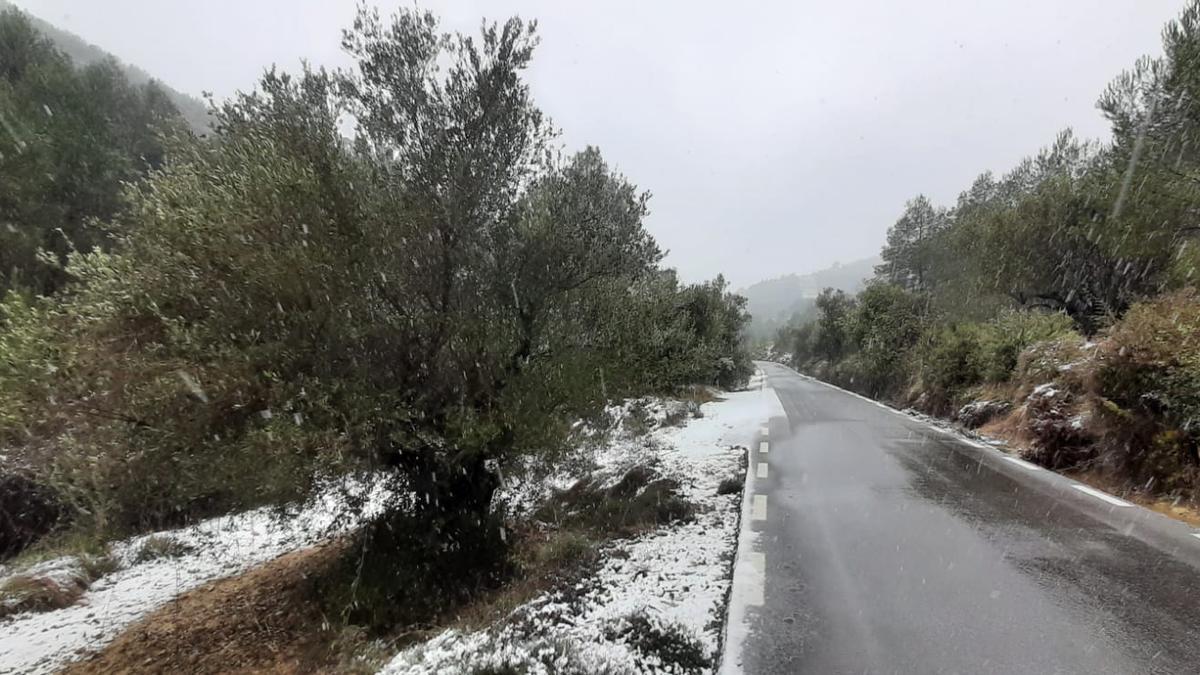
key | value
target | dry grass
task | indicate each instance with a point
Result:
(27, 593)
(699, 394)
(269, 620)
(1009, 428)
(53, 590)
(546, 559)
(159, 546)
(640, 501)
(264, 621)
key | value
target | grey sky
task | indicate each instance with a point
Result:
(776, 137)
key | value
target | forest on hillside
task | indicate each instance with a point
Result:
(773, 303)
(197, 325)
(83, 54)
(1056, 301)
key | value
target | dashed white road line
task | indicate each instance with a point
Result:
(764, 431)
(1101, 495)
(763, 447)
(762, 469)
(760, 508)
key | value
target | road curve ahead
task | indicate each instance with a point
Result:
(889, 546)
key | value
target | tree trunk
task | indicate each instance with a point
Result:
(413, 563)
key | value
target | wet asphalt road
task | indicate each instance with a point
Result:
(891, 547)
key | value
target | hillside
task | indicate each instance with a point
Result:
(83, 53)
(773, 301)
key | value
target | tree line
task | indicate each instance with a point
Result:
(1081, 241)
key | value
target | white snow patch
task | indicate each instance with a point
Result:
(43, 642)
(1046, 390)
(675, 579)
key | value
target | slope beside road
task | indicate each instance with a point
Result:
(877, 543)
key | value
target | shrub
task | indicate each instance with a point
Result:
(1149, 378)
(431, 303)
(564, 548)
(1060, 434)
(639, 500)
(978, 413)
(950, 360)
(1005, 337)
(53, 585)
(23, 593)
(660, 642)
(884, 327)
(157, 547)
(501, 652)
(28, 512)
(95, 566)
(1062, 360)
(730, 486)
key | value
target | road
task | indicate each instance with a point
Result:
(890, 546)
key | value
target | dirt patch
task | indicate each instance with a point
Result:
(261, 622)
(269, 620)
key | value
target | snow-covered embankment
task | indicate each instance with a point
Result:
(656, 603)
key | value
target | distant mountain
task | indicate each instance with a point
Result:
(83, 53)
(774, 301)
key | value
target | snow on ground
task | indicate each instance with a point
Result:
(653, 597)
(676, 576)
(43, 642)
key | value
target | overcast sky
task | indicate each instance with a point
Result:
(776, 137)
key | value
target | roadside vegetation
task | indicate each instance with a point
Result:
(1056, 303)
(204, 325)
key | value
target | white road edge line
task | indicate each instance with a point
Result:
(1196, 535)
(762, 469)
(760, 508)
(1101, 495)
(1023, 464)
(763, 447)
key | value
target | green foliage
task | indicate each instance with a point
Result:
(908, 256)
(660, 642)
(953, 358)
(998, 286)
(1012, 332)
(886, 324)
(950, 361)
(69, 138)
(829, 340)
(1149, 376)
(429, 303)
(158, 547)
